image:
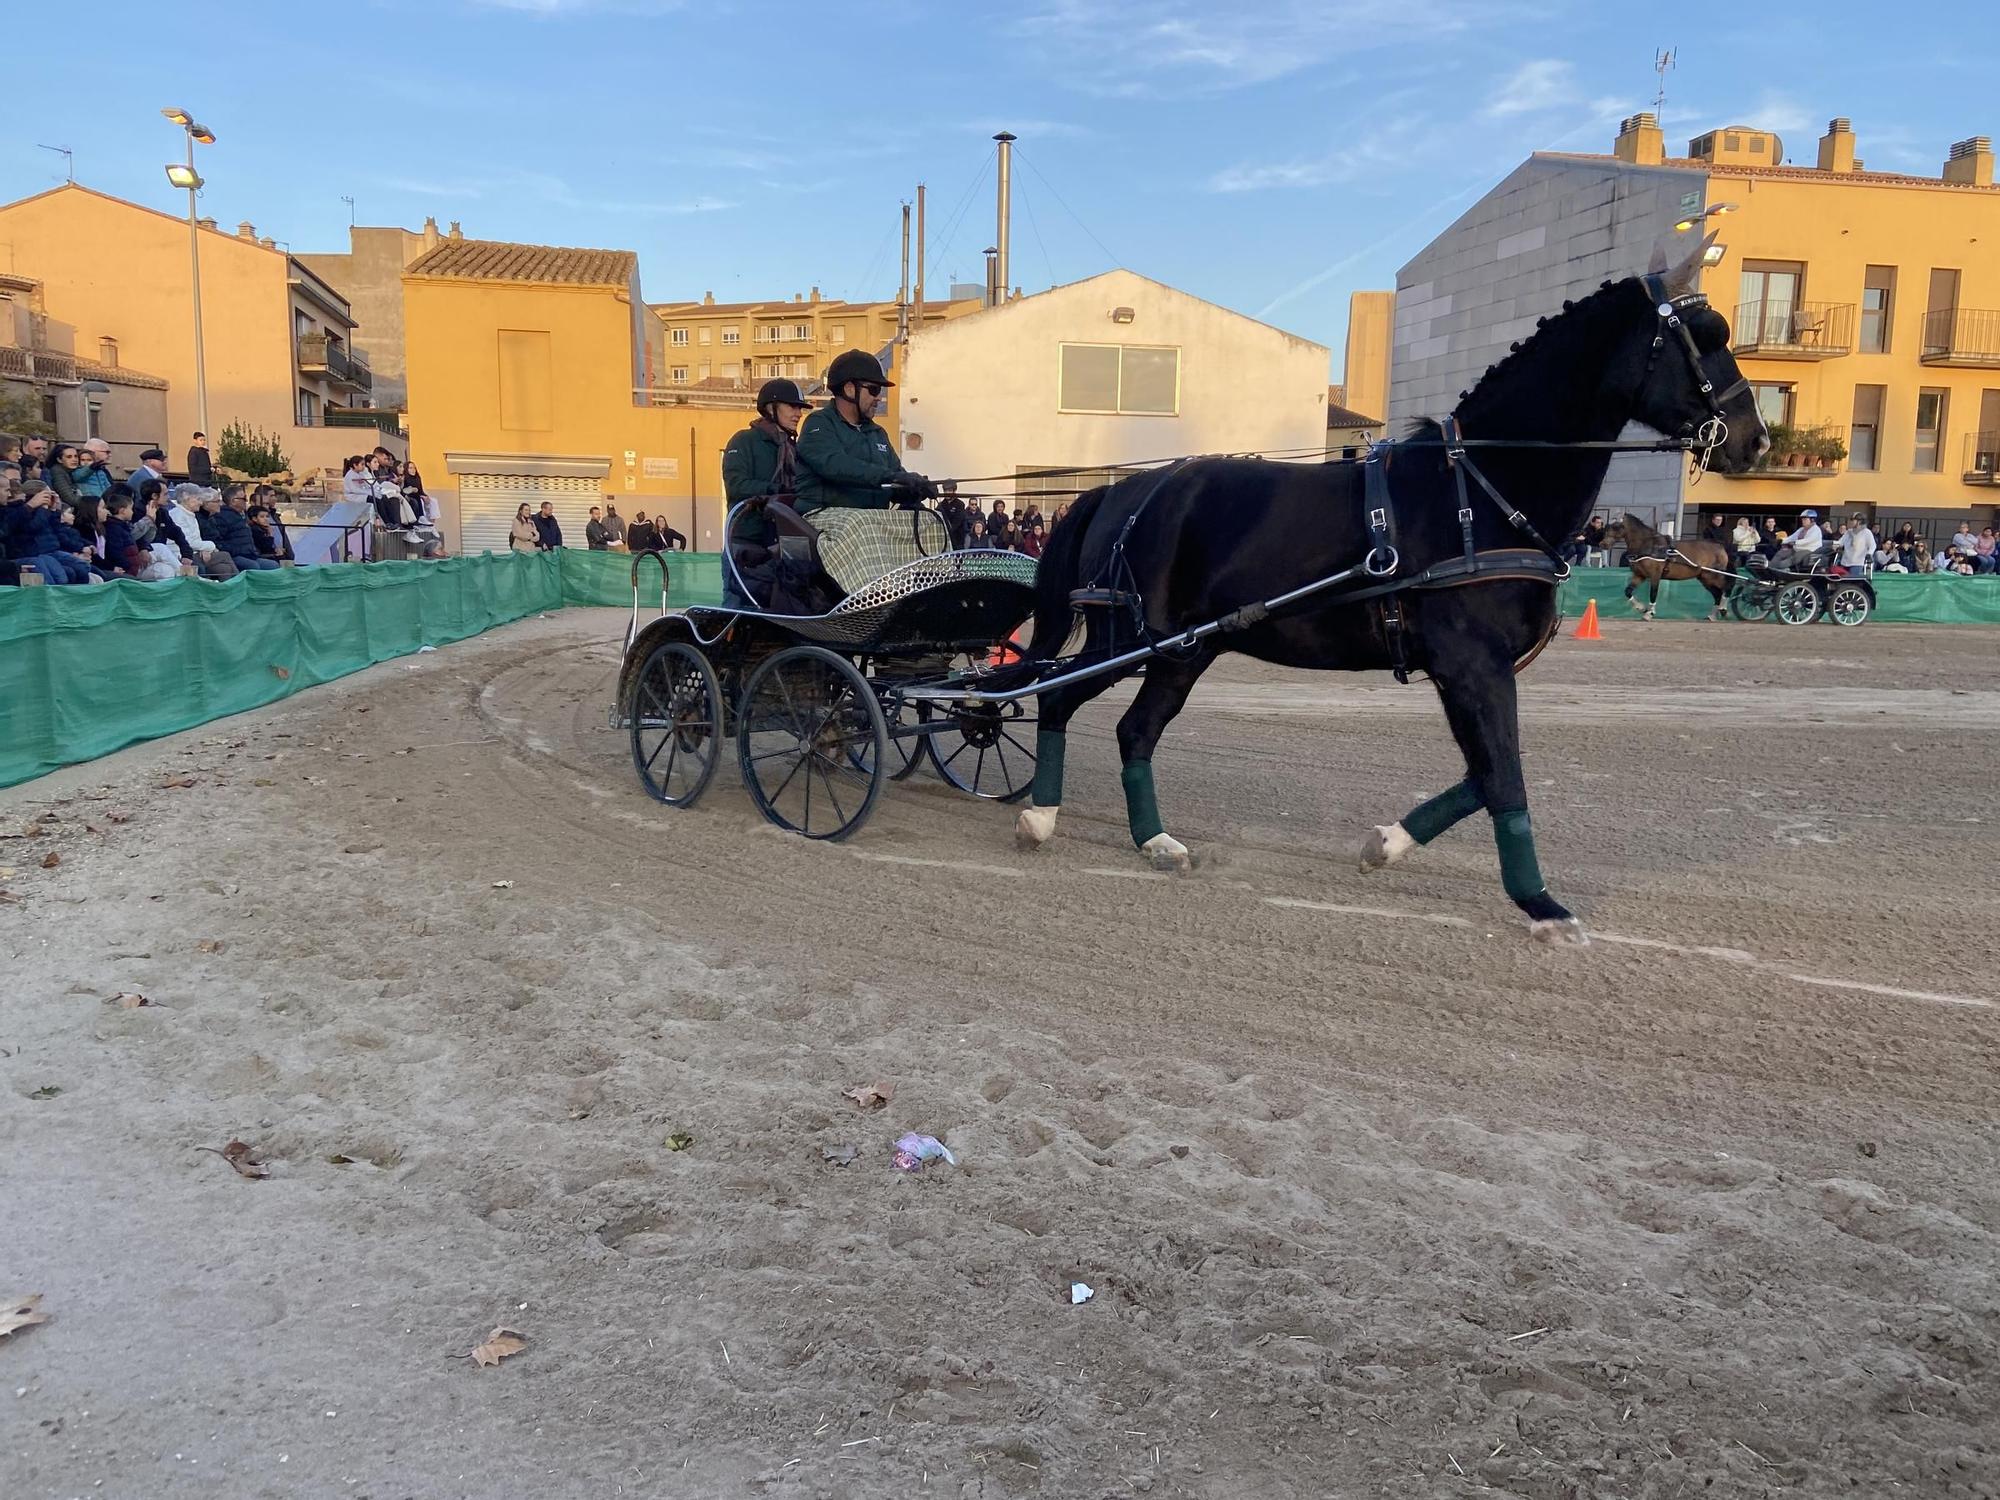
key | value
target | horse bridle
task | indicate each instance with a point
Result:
(1712, 433)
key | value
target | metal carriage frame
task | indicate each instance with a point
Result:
(1801, 598)
(824, 709)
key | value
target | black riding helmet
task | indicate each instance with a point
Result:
(779, 393)
(857, 365)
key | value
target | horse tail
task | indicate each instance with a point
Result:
(1058, 572)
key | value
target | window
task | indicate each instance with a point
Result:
(1769, 294)
(1878, 295)
(679, 375)
(1732, 141)
(837, 333)
(527, 387)
(768, 334)
(1864, 448)
(706, 335)
(1941, 312)
(1775, 403)
(49, 407)
(107, 354)
(302, 322)
(1135, 379)
(1985, 445)
(94, 419)
(1930, 429)
(704, 370)
(802, 332)
(731, 336)
(677, 336)
(308, 409)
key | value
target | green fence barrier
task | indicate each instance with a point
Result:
(87, 670)
(606, 578)
(1906, 598)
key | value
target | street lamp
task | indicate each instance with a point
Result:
(185, 176)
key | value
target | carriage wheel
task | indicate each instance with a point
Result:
(1848, 604)
(675, 709)
(987, 749)
(811, 742)
(1799, 604)
(1750, 601)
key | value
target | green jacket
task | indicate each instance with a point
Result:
(749, 465)
(844, 465)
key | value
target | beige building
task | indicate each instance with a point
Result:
(370, 275)
(1115, 369)
(276, 335)
(1371, 324)
(67, 389)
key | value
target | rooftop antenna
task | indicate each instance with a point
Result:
(69, 160)
(1663, 64)
(344, 198)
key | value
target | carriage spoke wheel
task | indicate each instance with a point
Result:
(987, 749)
(675, 710)
(1848, 604)
(811, 742)
(1750, 601)
(1798, 604)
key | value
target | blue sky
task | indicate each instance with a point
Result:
(1270, 155)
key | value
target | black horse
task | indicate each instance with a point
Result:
(1216, 535)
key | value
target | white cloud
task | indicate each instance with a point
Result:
(1778, 112)
(1543, 84)
(1379, 152)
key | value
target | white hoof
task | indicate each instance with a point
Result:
(1035, 826)
(1564, 932)
(1384, 847)
(1647, 615)
(1165, 852)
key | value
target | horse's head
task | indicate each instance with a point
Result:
(1685, 382)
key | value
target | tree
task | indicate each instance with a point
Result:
(254, 452)
(21, 416)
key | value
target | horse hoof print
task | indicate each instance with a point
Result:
(1564, 932)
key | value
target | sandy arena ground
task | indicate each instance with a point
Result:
(1377, 1197)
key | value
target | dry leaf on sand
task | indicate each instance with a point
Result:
(870, 1095)
(237, 1154)
(500, 1343)
(51, 860)
(840, 1156)
(129, 1000)
(209, 945)
(115, 816)
(503, 885)
(174, 781)
(22, 1312)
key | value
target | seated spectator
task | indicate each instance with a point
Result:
(232, 533)
(65, 464)
(1964, 540)
(75, 544)
(266, 498)
(122, 552)
(262, 522)
(1585, 542)
(187, 515)
(522, 535)
(96, 475)
(1984, 559)
(30, 525)
(548, 531)
(642, 535)
(354, 477)
(1769, 539)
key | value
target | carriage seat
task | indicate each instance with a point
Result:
(856, 547)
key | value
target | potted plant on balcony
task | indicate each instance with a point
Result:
(1785, 452)
(1828, 450)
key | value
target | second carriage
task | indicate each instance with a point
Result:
(820, 710)
(1800, 596)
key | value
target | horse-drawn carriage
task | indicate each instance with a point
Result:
(823, 708)
(1801, 596)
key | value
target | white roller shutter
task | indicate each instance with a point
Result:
(487, 502)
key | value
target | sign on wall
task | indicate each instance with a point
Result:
(662, 468)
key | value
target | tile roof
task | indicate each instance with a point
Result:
(1343, 416)
(502, 260)
(1793, 174)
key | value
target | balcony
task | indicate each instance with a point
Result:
(1982, 458)
(379, 419)
(1814, 452)
(1967, 338)
(1793, 330)
(321, 355)
(37, 364)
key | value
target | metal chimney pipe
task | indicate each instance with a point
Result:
(992, 255)
(1006, 214)
(903, 287)
(920, 255)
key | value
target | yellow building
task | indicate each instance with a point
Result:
(1371, 323)
(527, 373)
(724, 347)
(1865, 309)
(67, 391)
(275, 334)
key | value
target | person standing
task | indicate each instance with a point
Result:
(614, 528)
(152, 465)
(1857, 546)
(200, 470)
(594, 535)
(642, 535)
(1743, 540)
(523, 535)
(548, 530)
(844, 459)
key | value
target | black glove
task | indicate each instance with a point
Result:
(913, 488)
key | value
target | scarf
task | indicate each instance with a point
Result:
(784, 481)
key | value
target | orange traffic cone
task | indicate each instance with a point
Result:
(1586, 628)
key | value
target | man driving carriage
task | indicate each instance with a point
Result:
(1802, 546)
(844, 458)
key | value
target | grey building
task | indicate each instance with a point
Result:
(1554, 229)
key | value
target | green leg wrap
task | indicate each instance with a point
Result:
(1049, 745)
(1519, 870)
(1453, 805)
(1142, 809)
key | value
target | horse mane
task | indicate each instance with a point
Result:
(1573, 316)
(1639, 537)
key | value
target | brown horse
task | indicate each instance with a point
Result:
(1655, 559)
